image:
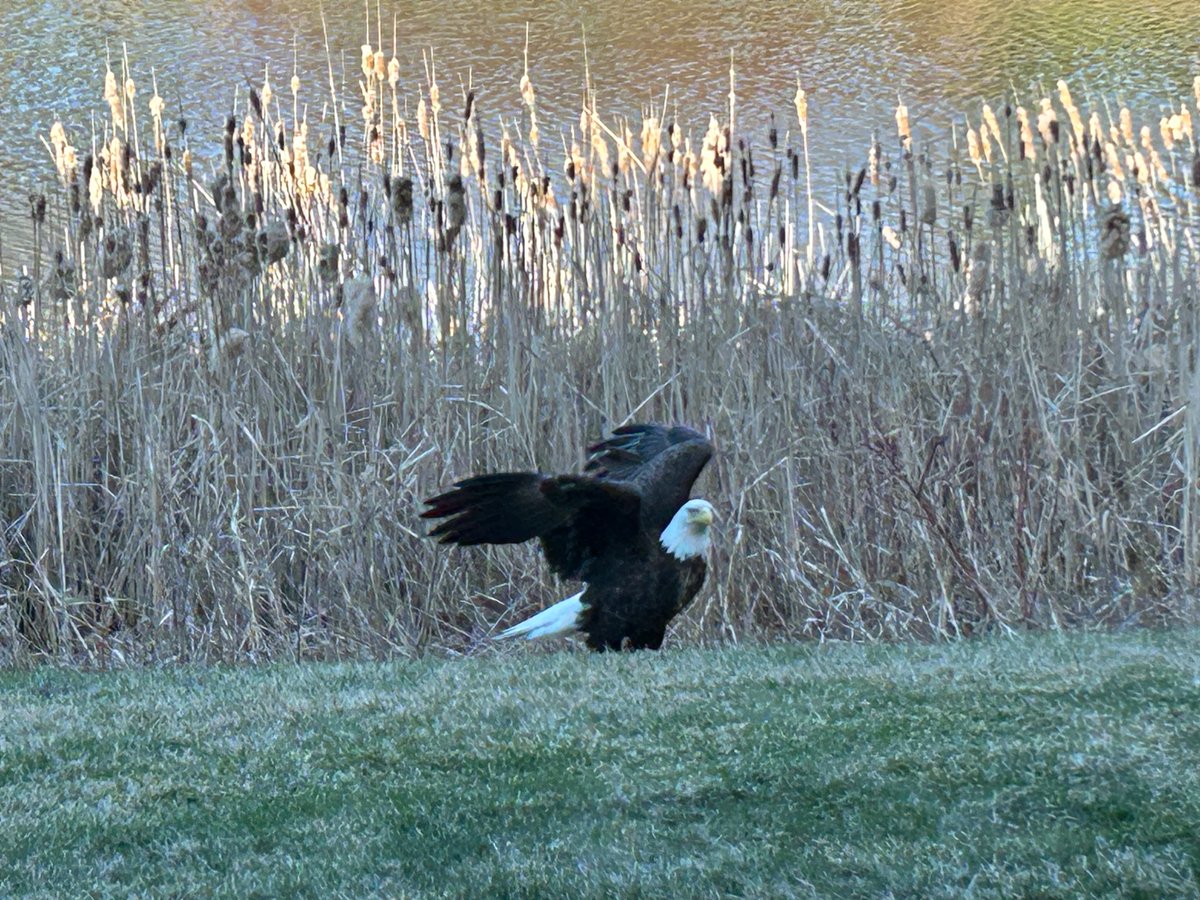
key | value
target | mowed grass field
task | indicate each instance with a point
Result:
(1047, 765)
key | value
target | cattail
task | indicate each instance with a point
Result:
(1166, 132)
(1113, 159)
(989, 119)
(625, 151)
(1114, 232)
(393, 72)
(117, 253)
(70, 162)
(1047, 123)
(1156, 164)
(402, 200)
(112, 96)
(1028, 150)
(801, 101)
(1140, 170)
(973, 147)
(1196, 170)
(599, 148)
(711, 162)
(651, 141)
(929, 206)
(58, 144)
(978, 275)
(295, 85)
(327, 262)
(903, 128)
(527, 93)
(1126, 119)
(267, 93)
(435, 99)
(368, 61)
(1064, 96)
(380, 67)
(274, 242)
(1196, 90)
(456, 205)
(423, 120)
(889, 235)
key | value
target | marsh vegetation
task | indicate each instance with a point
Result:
(953, 393)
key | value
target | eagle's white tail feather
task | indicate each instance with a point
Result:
(560, 618)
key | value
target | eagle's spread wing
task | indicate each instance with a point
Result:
(661, 462)
(577, 517)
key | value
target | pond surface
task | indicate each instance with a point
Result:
(855, 58)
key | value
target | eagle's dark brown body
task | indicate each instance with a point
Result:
(603, 527)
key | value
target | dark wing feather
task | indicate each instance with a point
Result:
(577, 517)
(505, 508)
(662, 462)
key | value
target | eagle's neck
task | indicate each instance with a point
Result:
(682, 539)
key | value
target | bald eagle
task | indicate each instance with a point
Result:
(625, 527)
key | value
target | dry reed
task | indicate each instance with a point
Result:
(967, 400)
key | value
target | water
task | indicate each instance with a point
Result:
(855, 58)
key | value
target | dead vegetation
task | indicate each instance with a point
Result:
(964, 396)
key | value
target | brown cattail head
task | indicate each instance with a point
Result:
(117, 253)
(1114, 232)
(327, 262)
(274, 242)
(402, 199)
(456, 202)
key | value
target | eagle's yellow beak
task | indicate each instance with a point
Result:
(702, 516)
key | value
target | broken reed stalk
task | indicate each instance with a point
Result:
(967, 403)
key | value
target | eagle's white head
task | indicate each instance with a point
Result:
(686, 536)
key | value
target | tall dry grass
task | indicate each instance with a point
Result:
(962, 396)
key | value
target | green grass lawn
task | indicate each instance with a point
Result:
(1040, 766)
